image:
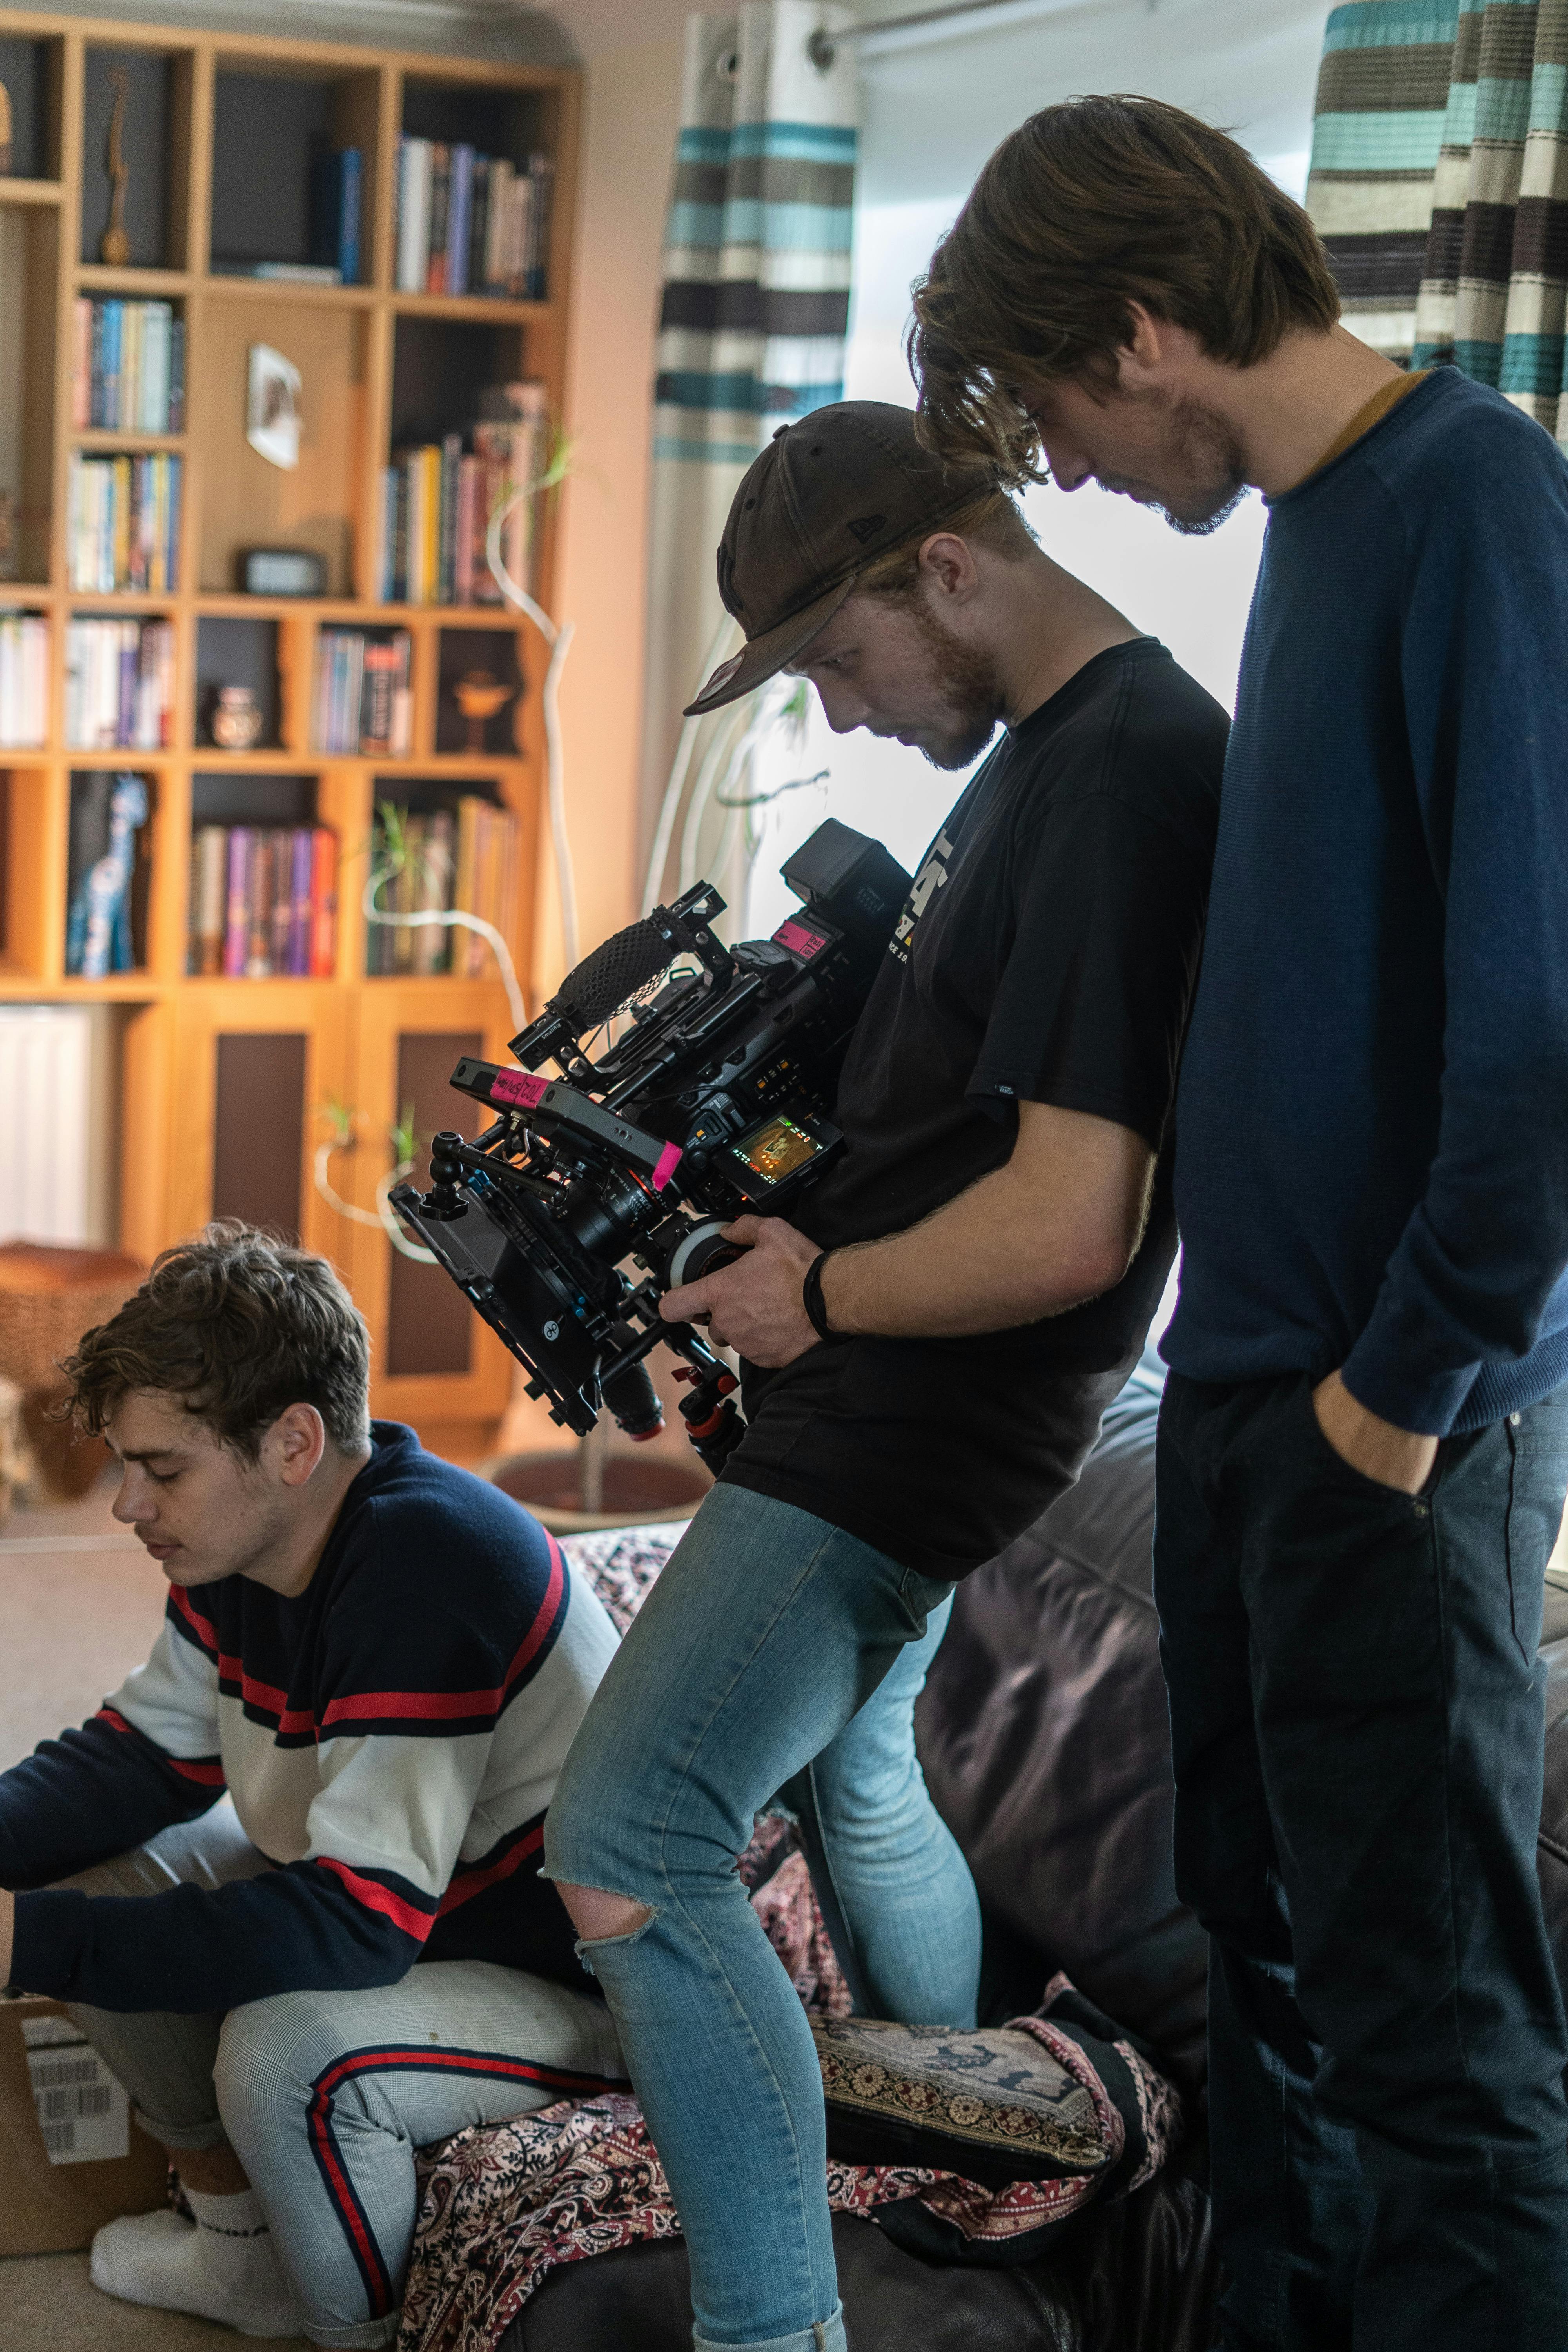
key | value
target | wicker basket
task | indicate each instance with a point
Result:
(49, 1298)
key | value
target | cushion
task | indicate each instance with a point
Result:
(1058, 2097)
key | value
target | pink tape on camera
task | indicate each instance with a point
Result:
(518, 1087)
(799, 939)
(670, 1160)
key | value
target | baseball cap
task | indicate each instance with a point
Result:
(829, 494)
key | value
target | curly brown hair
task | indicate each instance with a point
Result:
(1089, 206)
(240, 1325)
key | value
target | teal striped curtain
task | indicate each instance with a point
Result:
(754, 309)
(1440, 186)
(1492, 294)
(1382, 96)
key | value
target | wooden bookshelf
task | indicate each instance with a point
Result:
(196, 1055)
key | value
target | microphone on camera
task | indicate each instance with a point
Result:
(603, 981)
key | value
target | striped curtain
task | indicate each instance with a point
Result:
(1440, 184)
(755, 305)
(1492, 293)
(1382, 96)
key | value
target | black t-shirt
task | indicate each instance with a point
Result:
(1047, 953)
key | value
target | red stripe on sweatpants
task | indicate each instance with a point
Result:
(410, 2058)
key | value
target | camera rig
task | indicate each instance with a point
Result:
(715, 1100)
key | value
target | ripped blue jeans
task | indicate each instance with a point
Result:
(775, 1654)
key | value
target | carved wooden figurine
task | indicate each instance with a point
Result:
(114, 246)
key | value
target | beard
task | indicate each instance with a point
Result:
(970, 685)
(1206, 446)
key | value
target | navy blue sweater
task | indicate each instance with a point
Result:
(1372, 1164)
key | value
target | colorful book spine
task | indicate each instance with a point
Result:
(235, 941)
(123, 524)
(472, 224)
(463, 857)
(209, 881)
(258, 906)
(416, 161)
(336, 181)
(263, 902)
(24, 681)
(127, 367)
(436, 502)
(440, 205)
(323, 904)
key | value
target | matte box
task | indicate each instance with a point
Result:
(70, 2157)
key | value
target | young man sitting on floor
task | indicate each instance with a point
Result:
(382, 1660)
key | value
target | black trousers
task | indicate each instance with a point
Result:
(1357, 1717)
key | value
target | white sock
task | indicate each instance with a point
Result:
(225, 2268)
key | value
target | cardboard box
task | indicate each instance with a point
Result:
(70, 2157)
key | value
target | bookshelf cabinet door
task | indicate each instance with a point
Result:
(253, 1067)
(434, 1360)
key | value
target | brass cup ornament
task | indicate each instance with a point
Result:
(479, 697)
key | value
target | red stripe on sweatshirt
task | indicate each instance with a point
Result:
(201, 1626)
(207, 1771)
(466, 1883)
(435, 1706)
(266, 1698)
(376, 1898)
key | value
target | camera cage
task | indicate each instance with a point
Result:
(715, 1099)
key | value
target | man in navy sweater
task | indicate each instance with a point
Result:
(383, 1662)
(1364, 1436)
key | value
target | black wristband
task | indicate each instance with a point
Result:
(811, 1297)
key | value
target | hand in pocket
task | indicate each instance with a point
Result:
(1379, 1451)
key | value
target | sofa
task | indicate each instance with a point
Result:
(1044, 1735)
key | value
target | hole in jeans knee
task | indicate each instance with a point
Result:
(601, 1916)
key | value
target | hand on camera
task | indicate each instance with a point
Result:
(754, 1306)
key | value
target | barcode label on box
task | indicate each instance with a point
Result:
(83, 2114)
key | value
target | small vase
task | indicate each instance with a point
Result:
(235, 719)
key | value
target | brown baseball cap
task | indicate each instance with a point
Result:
(828, 496)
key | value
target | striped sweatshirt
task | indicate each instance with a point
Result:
(391, 1737)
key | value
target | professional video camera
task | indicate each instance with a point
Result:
(714, 1101)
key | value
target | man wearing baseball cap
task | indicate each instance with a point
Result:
(927, 1355)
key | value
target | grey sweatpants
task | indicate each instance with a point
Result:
(324, 2097)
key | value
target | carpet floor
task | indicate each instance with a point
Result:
(47, 2304)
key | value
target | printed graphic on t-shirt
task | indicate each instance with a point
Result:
(922, 890)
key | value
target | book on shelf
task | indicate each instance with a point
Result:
(437, 501)
(363, 702)
(296, 273)
(122, 528)
(24, 681)
(337, 179)
(472, 224)
(119, 685)
(464, 858)
(263, 902)
(128, 367)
